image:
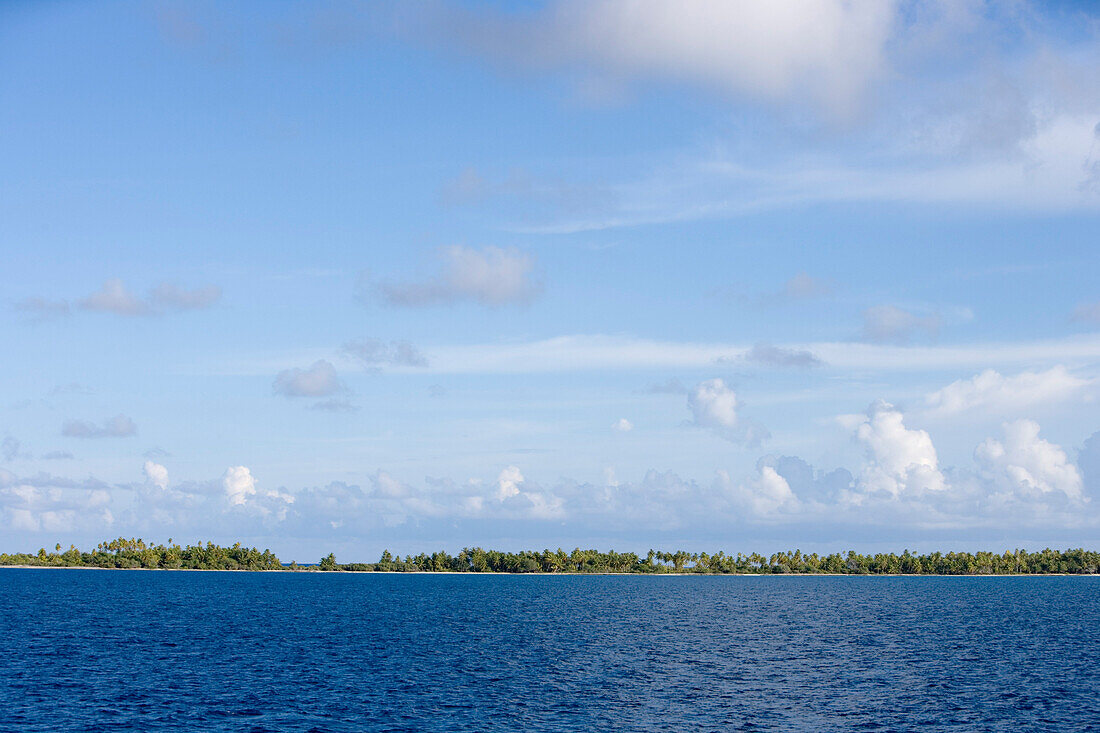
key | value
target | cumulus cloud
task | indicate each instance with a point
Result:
(372, 353)
(808, 483)
(119, 426)
(777, 356)
(622, 425)
(991, 391)
(57, 455)
(1020, 480)
(765, 495)
(771, 491)
(49, 504)
(491, 276)
(156, 474)
(900, 459)
(518, 499)
(319, 380)
(1026, 463)
(714, 406)
(238, 485)
(508, 483)
(890, 324)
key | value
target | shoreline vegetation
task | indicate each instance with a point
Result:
(124, 553)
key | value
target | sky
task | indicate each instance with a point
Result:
(617, 273)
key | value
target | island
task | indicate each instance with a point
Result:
(122, 553)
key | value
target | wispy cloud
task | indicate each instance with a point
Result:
(1047, 174)
(372, 353)
(114, 297)
(890, 324)
(119, 426)
(41, 309)
(777, 356)
(595, 352)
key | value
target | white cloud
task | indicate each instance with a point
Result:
(319, 380)
(238, 484)
(490, 276)
(1026, 463)
(990, 391)
(888, 323)
(156, 474)
(119, 426)
(771, 491)
(825, 51)
(974, 104)
(516, 498)
(622, 425)
(508, 483)
(387, 486)
(1020, 481)
(900, 460)
(48, 504)
(765, 495)
(714, 406)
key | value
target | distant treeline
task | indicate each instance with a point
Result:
(135, 553)
(124, 553)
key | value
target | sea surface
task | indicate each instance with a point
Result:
(90, 650)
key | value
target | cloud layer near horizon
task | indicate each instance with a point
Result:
(1017, 479)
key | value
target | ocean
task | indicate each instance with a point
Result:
(93, 650)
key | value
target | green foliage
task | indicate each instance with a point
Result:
(135, 553)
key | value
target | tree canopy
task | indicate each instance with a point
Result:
(136, 553)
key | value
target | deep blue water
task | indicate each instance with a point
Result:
(86, 650)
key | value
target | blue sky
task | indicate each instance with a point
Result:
(618, 273)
